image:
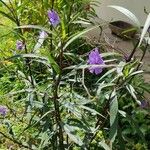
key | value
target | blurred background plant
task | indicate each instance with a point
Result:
(50, 99)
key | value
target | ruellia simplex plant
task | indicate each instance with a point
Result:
(58, 91)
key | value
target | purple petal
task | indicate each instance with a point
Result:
(43, 35)
(19, 45)
(95, 59)
(98, 70)
(3, 110)
(53, 17)
(144, 104)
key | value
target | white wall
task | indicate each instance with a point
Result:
(135, 6)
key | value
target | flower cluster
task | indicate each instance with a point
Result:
(95, 59)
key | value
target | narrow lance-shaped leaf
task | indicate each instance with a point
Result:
(104, 145)
(63, 29)
(43, 35)
(70, 131)
(53, 64)
(113, 116)
(35, 57)
(37, 27)
(128, 13)
(132, 91)
(94, 112)
(146, 26)
(107, 73)
(78, 35)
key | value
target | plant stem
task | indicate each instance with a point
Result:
(56, 102)
(55, 93)
(57, 111)
(144, 52)
(52, 6)
(133, 51)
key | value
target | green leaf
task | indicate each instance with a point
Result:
(87, 66)
(103, 85)
(136, 127)
(37, 27)
(78, 35)
(79, 123)
(132, 91)
(70, 131)
(129, 30)
(113, 116)
(36, 57)
(107, 73)
(84, 22)
(104, 145)
(44, 140)
(91, 110)
(123, 113)
(146, 26)
(72, 107)
(81, 100)
(39, 44)
(53, 64)
(120, 139)
(113, 130)
(135, 73)
(63, 29)
(120, 68)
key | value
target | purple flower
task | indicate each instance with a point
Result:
(3, 110)
(53, 18)
(144, 104)
(95, 59)
(19, 45)
(43, 35)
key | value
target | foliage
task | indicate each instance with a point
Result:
(53, 100)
